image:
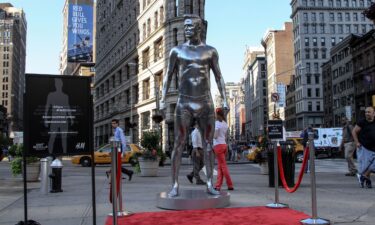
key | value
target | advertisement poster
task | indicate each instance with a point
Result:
(80, 33)
(57, 122)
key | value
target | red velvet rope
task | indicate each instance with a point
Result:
(301, 172)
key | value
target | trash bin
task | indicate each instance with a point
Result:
(288, 156)
(55, 176)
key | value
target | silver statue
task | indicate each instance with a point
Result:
(192, 62)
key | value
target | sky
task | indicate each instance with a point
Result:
(231, 27)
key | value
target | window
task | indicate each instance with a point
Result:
(307, 54)
(330, 3)
(338, 3)
(158, 49)
(355, 29)
(315, 42)
(304, 2)
(161, 14)
(317, 79)
(307, 42)
(308, 79)
(315, 52)
(189, 6)
(313, 16)
(313, 29)
(332, 28)
(331, 17)
(136, 94)
(146, 58)
(317, 106)
(322, 41)
(306, 28)
(148, 27)
(145, 120)
(347, 28)
(305, 17)
(317, 92)
(324, 54)
(340, 29)
(308, 92)
(346, 3)
(339, 17)
(312, 2)
(308, 68)
(354, 3)
(156, 20)
(347, 17)
(146, 89)
(309, 106)
(321, 17)
(320, 2)
(355, 16)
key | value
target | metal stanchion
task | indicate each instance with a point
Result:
(117, 210)
(276, 204)
(314, 219)
(44, 176)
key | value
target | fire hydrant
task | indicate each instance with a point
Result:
(55, 176)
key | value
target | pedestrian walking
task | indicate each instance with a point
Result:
(364, 137)
(197, 156)
(220, 148)
(348, 146)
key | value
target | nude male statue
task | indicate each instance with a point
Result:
(192, 61)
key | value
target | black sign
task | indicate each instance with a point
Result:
(275, 129)
(58, 115)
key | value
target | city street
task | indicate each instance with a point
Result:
(339, 198)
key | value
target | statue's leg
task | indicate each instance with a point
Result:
(182, 124)
(207, 126)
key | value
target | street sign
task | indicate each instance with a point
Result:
(275, 129)
(275, 97)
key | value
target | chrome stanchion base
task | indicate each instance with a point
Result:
(122, 214)
(311, 221)
(277, 205)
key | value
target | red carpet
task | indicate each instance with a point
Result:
(226, 216)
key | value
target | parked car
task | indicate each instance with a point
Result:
(103, 156)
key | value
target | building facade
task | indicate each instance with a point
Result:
(327, 90)
(13, 28)
(257, 71)
(342, 87)
(318, 25)
(250, 56)
(278, 46)
(133, 41)
(363, 53)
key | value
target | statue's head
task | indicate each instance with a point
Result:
(192, 26)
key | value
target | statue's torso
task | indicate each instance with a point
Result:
(194, 70)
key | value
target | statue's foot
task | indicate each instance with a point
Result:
(211, 190)
(173, 193)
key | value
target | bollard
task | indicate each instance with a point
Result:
(44, 176)
(314, 219)
(276, 204)
(55, 176)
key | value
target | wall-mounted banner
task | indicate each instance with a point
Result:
(80, 32)
(58, 115)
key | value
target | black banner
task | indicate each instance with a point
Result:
(58, 115)
(275, 129)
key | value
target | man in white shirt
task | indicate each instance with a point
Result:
(197, 156)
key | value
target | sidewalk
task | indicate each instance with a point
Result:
(339, 197)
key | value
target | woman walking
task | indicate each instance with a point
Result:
(220, 149)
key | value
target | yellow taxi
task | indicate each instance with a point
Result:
(103, 156)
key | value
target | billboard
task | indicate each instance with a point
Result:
(56, 121)
(80, 33)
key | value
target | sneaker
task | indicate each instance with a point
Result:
(230, 189)
(361, 180)
(190, 178)
(350, 174)
(200, 182)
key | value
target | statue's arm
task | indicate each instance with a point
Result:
(218, 77)
(171, 68)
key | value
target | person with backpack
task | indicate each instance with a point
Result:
(348, 145)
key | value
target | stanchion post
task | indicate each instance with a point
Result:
(276, 204)
(314, 219)
(113, 180)
(44, 176)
